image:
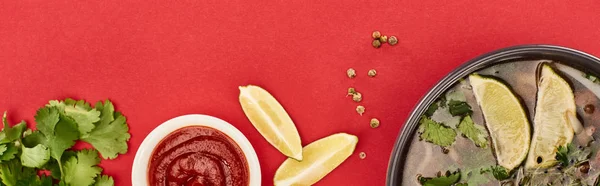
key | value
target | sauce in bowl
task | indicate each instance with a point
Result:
(198, 156)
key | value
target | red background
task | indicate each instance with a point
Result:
(159, 60)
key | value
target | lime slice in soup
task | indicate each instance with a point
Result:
(552, 122)
(505, 119)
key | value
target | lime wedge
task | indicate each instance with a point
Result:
(505, 119)
(552, 122)
(320, 158)
(271, 120)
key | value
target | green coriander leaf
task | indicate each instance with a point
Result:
(2, 137)
(107, 110)
(44, 181)
(36, 156)
(436, 133)
(104, 180)
(499, 172)
(36, 181)
(46, 119)
(592, 78)
(562, 155)
(27, 132)
(82, 169)
(54, 168)
(13, 174)
(459, 108)
(2, 149)
(443, 102)
(475, 133)
(461, 184)
(60, 131)
(570, 155)
(63, 138)
(11, 134)
(432, 108)
(80, 111)
(16, 132)
(111, 133)
(448, 180)
(10, 153)
(68, 154)
(34, 139)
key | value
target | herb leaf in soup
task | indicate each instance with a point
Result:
(475, 133)
(459, 108)
(440, 103)
(562, 155)
(592, 78)
(432, 108)
(448, 180)
(569, 155)
(499, 172)
(436, 133)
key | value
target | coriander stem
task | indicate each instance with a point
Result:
(62, 175)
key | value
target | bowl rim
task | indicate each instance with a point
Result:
(139, 171)
(584, 61)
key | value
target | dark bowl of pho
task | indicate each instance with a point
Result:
(523, 115)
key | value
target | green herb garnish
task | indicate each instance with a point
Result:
(59, 132)
(432, 108)
(110, 135)
(439, 103)
(436, 133)
(81, 169)
(13, 173)
(10, 134)
(36, 156)
(570, 155)
(592, 78)
(459, 108)
(104, 181)
(499, 172)
(443, 102)
(562, 155)
(80, 111)
(24, 152)
(475, 133)
(449, 179)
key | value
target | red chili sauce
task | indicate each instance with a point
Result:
(198, 156)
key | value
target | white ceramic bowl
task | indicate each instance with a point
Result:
(139, 172)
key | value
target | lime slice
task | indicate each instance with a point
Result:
(320, 158)
(552, 125)
(271, 120)
(505, 119)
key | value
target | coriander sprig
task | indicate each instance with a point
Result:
(60, 124)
